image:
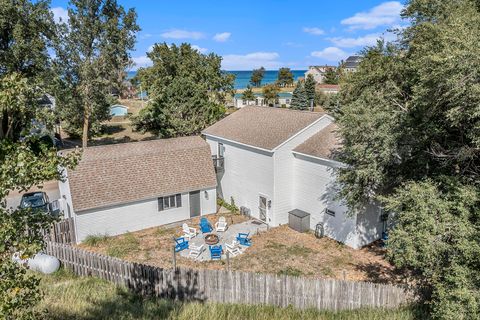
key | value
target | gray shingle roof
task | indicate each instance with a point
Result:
(352, 61)
(262, 127)
(323, 144)
(127, 172)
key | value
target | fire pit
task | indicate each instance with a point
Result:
(211, 239)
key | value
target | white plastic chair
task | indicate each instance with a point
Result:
(221, 225)
(189, 232)
(233, 248)
(196, 251)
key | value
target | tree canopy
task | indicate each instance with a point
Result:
(187, 89)
(410, 118)
(257, 77)
(248, 94)
(331, 76)
(299, 98)
(310, 87)
(92, 54)
(270, 93)
(284, 77)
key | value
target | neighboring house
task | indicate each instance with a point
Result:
(118, 110)
(284, 99)
(351, 64)
(133, 186)
(272, 161)
(318, 72)
(47, 101)
(328, 88)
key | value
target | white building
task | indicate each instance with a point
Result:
(283, 99)
(351, 64)
(278, 160)
(318, 72)
(133, 186)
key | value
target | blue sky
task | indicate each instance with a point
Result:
(269, 33)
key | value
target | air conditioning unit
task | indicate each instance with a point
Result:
(245, 211)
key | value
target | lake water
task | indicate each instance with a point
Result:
(242, 78)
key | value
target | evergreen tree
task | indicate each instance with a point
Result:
(188, 94)
(331, 76)
(410, 123)
(248, 95)
(299, 98)
(93, 51)
(285, 77)
(257, 77)
(310, 88)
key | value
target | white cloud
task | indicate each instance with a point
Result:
(363, 41)
(385, 14)
(60, 14)
(330, 54)
(222, 37)
(268, 60)
(141, 62)
(182, 34)
(315, 31)
(199, 49)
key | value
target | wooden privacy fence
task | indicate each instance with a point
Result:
(229, 286)
(62, 232)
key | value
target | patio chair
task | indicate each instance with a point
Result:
(243, 239)
(196, 251)
(216, 252)
(180, 244)
(233, 248)
(221, 225)
(188, 232)
(205, 225)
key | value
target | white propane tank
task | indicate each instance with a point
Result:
(44, 263)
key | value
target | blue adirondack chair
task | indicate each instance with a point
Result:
(180, 244)
(215, 252)
(244, 240)
(205, 225)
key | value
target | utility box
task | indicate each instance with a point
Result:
(299, 220)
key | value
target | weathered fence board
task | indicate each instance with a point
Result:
(61, 232)
(229, 286)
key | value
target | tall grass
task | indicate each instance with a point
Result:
(123, 246)
(71, 297)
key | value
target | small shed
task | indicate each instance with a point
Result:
(299, 220)
(118, 110)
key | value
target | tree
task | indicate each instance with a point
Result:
(257, 76)
(93, 51)
(188, 94)
(299, 98)
(270, 94)
(285, 77)
(409, 119)
(248, 95)
(24, 162)
(310, 88)
(331, 76)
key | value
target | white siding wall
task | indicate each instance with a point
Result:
(137, 216)
(64, 189)
(369, 225)
(314, 191)
(248, 173)
(285, 172)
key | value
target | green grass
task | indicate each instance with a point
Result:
(123, 246)
(71, 297)
(290, 271)
(95, 240)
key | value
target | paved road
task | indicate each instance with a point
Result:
(50, 187)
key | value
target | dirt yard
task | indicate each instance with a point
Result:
(279, 250)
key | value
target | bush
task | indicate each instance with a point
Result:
(95, 240)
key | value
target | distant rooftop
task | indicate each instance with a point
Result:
(352, 61)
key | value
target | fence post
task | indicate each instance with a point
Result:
(228, 261)
(174, 259)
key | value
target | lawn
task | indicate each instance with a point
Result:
(71, 297)
(279, 250)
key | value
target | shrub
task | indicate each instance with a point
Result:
(94, 240)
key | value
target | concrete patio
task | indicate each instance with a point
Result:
(251, 226)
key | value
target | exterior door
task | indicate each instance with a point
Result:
(262, 208)
(195, 208)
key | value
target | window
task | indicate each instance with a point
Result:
(169, 202)
(330, 212)
(244, 102)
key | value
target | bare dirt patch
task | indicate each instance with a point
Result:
(279, 250)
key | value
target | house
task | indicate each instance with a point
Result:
(351, 64)
(327, 88)
(318, 72)
(118, 110)
(274, 162)
(132, 186)
(283, 99)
